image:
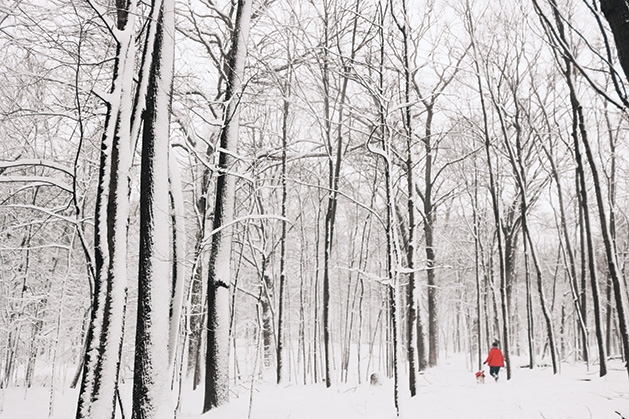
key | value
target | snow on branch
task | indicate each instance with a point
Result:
(71, 220)
(37, 181)
(238, 220)
(36, 162)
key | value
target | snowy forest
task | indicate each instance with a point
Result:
(197, 197)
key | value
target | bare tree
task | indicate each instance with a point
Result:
(152, 372)
(404, 27)
(470, 26)
(102, 358)
(219, 279)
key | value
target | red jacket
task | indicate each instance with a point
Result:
(495, 358)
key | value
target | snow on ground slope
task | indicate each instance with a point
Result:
(448, 391)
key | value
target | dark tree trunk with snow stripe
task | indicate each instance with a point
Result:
(151, 378)
(217, 360)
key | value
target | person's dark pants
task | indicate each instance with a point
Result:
(494, 371)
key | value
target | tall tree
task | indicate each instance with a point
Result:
(403, 25)
(281, 312)
(518, 166)
(470, 26)
(579, 136)
(384, 149)
(105, 335)
(151, 376)
(334, 167)
(219, 271)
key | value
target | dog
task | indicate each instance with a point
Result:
(374, 379)
(480, 377)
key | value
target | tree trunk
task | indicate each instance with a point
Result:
(281, 300)
(610, 248)
(407, 118)
(517, 164)
(612, 182)
(335, 154)
(569, 259)
(477, 272)
(219, 279)
(195, 297)
(577, 129)
(179, 255)
(545, 311)
(433, 329)
(617, 14)
(330, 214)
(495, 203)
(105, 334)
(529, 309)
(390, 223)
(152, 373)
(583, 202)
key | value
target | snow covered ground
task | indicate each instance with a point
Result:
(449, 391)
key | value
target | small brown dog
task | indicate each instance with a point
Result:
(480, 377)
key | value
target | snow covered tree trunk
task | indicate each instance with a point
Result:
(266, 298)
(589, 245)
(547, 315)
(390, 225)
(195, 294)
(282, 291)
(429, 223)
(407, 119)
(477, 264)
(219, 272)
(151, 378)
(392, 275)
(530, 331)
(612, 200)
(334, 150)
(104, 339)
(330, 214)
(179, 254)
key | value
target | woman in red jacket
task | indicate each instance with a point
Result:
(495, 360)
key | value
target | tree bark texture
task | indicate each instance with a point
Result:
(219, 271)
(152, 375)
(617, 14)
(105, 334)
